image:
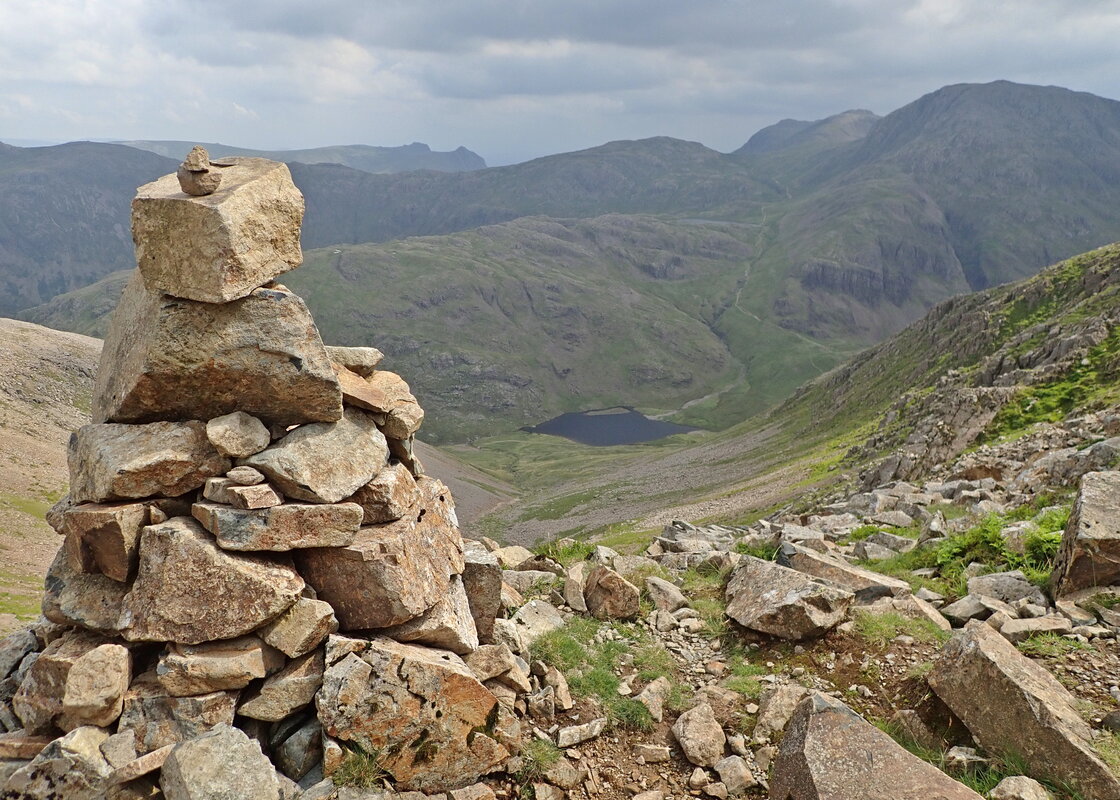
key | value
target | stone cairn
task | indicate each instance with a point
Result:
(256, 574)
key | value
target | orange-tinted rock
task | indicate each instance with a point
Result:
(435, 725)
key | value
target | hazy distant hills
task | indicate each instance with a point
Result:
(359, 156)
(735, 276)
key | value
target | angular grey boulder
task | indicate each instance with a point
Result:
(782, 602)
(221, 764)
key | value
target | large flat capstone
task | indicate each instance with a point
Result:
(219, 247)
(166, 358)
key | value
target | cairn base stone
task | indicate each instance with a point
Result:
(222, 763)
(219, 247)
(436, 726)
(158, 719)
(188, 590)
(166, 358)
(69, 768)
(394, 572)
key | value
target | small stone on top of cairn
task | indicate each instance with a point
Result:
(195, 175)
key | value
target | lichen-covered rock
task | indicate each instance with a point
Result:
(95, 687)
(325, 462)
(167, 358)
(158, 719)
(436, 726)
(393, 572)
(69, 768)
(189, 590)
(829, 752)
(219, 247)
(782, 602)
(1090, 550)
(1013, 706)
(279, 528)
(287, 691)
(219, 764)
(123, 462)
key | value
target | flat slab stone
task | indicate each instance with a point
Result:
(1011, 705)
(387, 394)
(188, 590)
(219, 247)
(782, 602)
(436, 726)
(123, 462)
(69, 768)
(359, 360)
(287, 691)
(279, 528)
(167, 358)
(863, 583)
(393, 572)
(325, 462)
(830, 752)
(185, 670)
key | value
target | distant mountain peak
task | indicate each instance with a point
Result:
(847, 126)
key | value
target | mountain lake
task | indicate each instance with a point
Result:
(608, 426)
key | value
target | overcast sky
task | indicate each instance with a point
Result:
(515, 79)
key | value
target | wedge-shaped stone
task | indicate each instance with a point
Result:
(325, 462)
(393, 572)
(219, 247)
(1090, 550)
(435, 725)
(1013, 706)
(447, 625)
(38, 700)
(225, 491)
(782, 602)
(124, 462)
(109, 534)
(95, 687)
(159, 719)
(278, 528)
(301, 628)
(185, 670)
(221, 763)
(287, 691)
(863, 583)
(384, 393)
(387, 497)
(166, 358)
(610, 596)
(188, 590)
(78, 598)
(69, 768)
(830, 752)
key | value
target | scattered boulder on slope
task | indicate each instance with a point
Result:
(783, 602)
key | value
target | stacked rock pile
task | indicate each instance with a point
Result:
(256, 573)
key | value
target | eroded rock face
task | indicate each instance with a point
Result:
(188, 590)
(830, 752)
(1012, 705)
(1090, 551)
(167, 358)
(219, 247)
(325, 462)
(782, 602)
(435, 725)
(394, 572)
(122, 462)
